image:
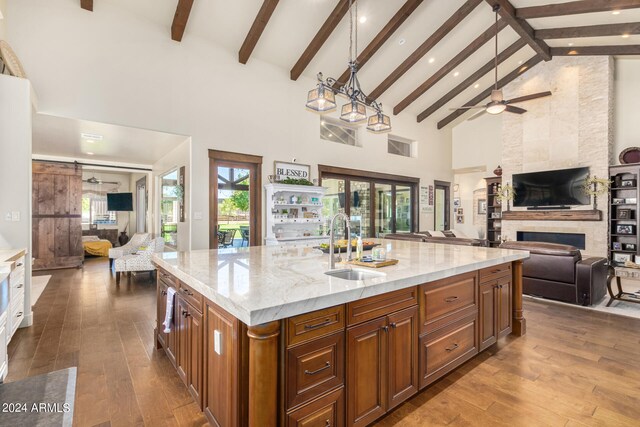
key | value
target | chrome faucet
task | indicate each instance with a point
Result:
(332, 258)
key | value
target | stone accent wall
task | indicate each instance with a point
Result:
(572, 128)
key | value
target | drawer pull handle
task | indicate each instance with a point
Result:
(327, 423)
(19, 314)
(317, 325)
(327, 365)
(497, 270)
(453, 347)
(164, 293)
(185, 313)
(19, 264)
(20, 285)
(451, 299)
(186, 291)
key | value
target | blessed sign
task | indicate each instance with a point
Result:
(285, 170)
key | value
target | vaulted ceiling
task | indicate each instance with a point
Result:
(419, 57)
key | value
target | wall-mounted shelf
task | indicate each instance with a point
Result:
(563, 215)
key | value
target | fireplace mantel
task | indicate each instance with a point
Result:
(559, 215)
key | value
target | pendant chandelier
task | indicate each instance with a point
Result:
(322, 99)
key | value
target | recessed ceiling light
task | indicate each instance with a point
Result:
(322, 122)
(615, 12)
(520, 62)
(625, 36)
(90, 153)
(570, 44)
(476, 86)
(432, 60)
(401, 42)
(456, 74)
(363, 19)
(330, 135)
(92, 136)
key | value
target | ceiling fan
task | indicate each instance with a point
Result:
(498, 104)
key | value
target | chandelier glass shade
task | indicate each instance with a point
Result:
(322, 99)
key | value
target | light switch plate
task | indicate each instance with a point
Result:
(7, 216)
(197, 215)
(15, 216)
(217, 342)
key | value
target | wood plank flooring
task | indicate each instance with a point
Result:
(573, 368)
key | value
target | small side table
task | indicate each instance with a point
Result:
(622, 273)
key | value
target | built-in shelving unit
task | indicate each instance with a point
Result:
(294, 213)
(494, 211)
(624, 241)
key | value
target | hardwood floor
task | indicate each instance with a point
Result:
(573, 368)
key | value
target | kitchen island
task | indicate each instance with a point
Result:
(262, 336)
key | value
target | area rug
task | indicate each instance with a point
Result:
(620, 308)
(38, 283)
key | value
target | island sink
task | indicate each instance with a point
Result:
(353, 274)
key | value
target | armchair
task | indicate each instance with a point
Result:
(137, 240)
(140, 261)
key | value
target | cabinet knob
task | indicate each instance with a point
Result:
(451, 299)
(327, 423)
(164, 293)
(385, 328)
(185, 313)
(393, 325)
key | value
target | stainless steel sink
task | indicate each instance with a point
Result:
(353, 274)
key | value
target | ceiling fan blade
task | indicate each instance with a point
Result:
(467, 107)
(477, 115)
(517, 110)
(528, 97)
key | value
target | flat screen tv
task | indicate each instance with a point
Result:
(120, 202)
(562, 187)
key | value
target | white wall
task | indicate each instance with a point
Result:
(117, 67)
(17, 105)
(178, 157)
(3, 9)
(627, 104)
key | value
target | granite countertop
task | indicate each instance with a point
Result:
(264, 283)
(9, 255)
(7, 264)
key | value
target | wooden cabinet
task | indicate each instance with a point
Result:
(190, 348)
(222, 367)
(327, 411)
(495, 310)
(382, 365)
(447, 300)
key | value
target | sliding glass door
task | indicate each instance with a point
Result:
(376, 204)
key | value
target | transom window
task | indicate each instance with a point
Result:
(336, 131)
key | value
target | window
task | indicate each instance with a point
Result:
(169, 208)
(94, 210)
(335, 131)
(400, 146)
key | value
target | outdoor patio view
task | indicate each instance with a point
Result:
(233, 207)
(170, 208)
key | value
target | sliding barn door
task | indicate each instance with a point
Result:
(57, 216)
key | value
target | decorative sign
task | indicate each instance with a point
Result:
(426, 199)
(284, 170)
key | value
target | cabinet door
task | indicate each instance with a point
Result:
(161, 312)
(171, 338)
(505, 307)
(195, 350)
(367, 372)
(182, 329)
(221, 385)
(403, 356)
(488, 314)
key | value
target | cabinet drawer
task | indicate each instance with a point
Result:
(440, 353)
(327, 411)
(16, 314)
(168, 279)
(319, 323)
(314, 368)
(492, 273)
(447, 300)
(381, 305)
(192, 297)
(16, 283)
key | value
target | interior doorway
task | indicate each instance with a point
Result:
(235, 197)
(442, 214)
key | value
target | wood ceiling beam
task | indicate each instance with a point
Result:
(596, 50)
(450, 66)
(183, 10)
(589, 31)
(258, 26)
(394, 23)
(502, 56)
(87, 5)
(323, 34)
(425, 47)
(522, 27)
(487, 92)
(575, 7)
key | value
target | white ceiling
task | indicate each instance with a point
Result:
(60, 136)
(295, 22)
